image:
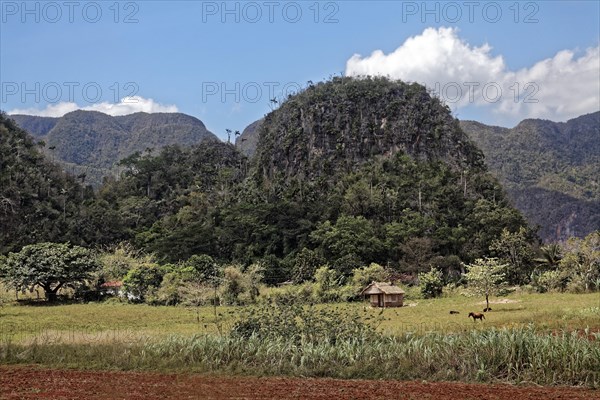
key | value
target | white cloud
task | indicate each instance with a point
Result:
(557, 88)
(127, 105)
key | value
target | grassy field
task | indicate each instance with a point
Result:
(112, 321)
(546, 339)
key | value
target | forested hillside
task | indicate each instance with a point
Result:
(337, 177)
(549, 169)
(348, 172)
(39, 202)
(89, 143)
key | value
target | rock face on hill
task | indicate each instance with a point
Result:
(91, 142)
(550, 169)
(248, 140)
(333, 127)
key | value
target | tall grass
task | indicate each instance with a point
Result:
(494, 355)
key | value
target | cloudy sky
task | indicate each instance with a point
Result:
(223, 62)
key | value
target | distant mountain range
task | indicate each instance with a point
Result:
(91, 143)
(551, 170)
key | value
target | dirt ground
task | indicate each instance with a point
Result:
(17, 382)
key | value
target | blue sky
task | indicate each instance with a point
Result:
(210, 60)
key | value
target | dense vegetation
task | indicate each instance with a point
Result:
(550, 171)
(38, 202)
(349, 174)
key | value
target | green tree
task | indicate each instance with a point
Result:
(417, 254)
(551, 254)
(361, 277)
(203, 268)
(305, 264)
(514, 249)
(349, 235)
(142, 280)
(431, 283)
(51, 266)
(582, 260)
(485, 277)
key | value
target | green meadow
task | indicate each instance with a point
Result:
(114, 320)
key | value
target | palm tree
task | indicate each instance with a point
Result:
(551, 255)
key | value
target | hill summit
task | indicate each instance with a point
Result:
(333, 126)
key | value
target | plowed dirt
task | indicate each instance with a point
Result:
(18, 382)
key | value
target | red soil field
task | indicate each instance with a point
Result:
(18, 382)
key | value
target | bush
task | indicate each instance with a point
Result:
(452, 289)
(412, 292)
(549, 281)
(305, 264)
(201, 268)
(239, 287)
(169, 293)
(118, 260)
(431, 283)
(328, 289)
(577, 284)
(361, 277)
(291, 294)
(301, 324)
(142, 280)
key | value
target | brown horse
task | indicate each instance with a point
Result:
(476, 316)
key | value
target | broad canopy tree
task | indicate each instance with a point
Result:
(51, 266)
(485, 277)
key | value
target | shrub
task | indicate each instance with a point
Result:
(577, 284)
(431, 283)
(142, 280)
(301, 324)
(118, 260)
(169, 292)
(550, 281)
(201, 268)
(290, 294)
(361, 277)
(241, 287)
(328, 287)
(412, 292)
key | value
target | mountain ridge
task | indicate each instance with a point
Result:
(92, 143)
(555, 164)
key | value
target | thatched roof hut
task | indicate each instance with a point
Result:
(383, 294)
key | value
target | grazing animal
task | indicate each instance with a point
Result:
(454, 312)
(476, 316)
(487, 309)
